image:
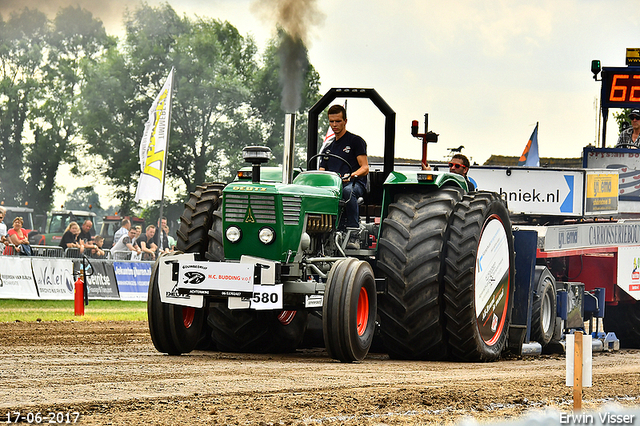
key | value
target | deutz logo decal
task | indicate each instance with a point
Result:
(249, 216)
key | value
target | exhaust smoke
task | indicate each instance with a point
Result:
(294, 17)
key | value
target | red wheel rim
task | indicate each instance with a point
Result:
(362, 315)
(285, 317)
(188, 315)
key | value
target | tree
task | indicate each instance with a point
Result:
(22, 45)
(225, 98)
(41, 78)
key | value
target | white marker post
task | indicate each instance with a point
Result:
(579, 365)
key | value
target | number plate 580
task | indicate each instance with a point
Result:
(266, 297)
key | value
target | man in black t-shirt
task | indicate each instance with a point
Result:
(86, 235)
(147, 246)
(354, 150)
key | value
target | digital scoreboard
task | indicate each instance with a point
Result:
(620, 87)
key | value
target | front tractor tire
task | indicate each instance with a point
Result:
(411, 249)
(349, 310)
(179, 329)
(478, 280)
(174, 329)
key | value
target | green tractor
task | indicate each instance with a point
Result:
(434, 270)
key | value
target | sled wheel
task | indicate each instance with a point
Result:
(478, 280)
(410, 252)
(349, 310)
(543, 309)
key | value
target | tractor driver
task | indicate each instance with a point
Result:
(353, 149)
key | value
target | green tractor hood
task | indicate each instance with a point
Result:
(284, 211)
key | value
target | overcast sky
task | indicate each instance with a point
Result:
(485, 71)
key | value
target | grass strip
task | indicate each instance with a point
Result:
(12, 310)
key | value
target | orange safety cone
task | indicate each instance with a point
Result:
(78, 297)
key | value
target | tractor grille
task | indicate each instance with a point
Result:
(249, 208)
(291, 210)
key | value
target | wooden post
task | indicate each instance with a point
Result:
(577, 371)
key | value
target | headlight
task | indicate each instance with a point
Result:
(266, 235)
(233, 234)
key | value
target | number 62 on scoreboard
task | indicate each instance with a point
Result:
(620, 87)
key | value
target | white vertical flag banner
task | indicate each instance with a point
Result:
(154, 145)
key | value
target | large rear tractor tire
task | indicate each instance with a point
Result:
(179, 329)
(197, 218)
(411, 257)
(250, 331)
(624, 320)
(478, 280)
(349, 310)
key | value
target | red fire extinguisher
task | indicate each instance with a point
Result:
(78, 297)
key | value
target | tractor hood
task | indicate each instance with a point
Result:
(266, 219)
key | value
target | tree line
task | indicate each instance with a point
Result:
(70, 92)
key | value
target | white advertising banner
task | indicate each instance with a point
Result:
(54, 278)
(16, 278)
(534, 190)
(629, 270)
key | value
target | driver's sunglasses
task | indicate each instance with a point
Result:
(456, 166)
(634, 117)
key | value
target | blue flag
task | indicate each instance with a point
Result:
(530, 157)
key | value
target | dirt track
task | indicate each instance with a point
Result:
(111, 374)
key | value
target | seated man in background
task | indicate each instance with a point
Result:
(125, 225)
(147, 246)
(124, 248)
(87, 234)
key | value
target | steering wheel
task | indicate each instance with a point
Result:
(330, 155)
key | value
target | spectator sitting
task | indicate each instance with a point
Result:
(3, 230)
(172, 242)
(87, 234)
(70, 238)
(125, 225)
(18, 237)
(145, 241)
(138, 230)
(96, 251)
(161, 238)
(124, 248)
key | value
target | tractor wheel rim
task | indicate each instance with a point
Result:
(285, 317)
(188, 316)
(546, 313)
(362, 314)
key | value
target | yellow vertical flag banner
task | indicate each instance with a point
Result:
(154, 145)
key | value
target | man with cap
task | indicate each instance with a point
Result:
(630, 137)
